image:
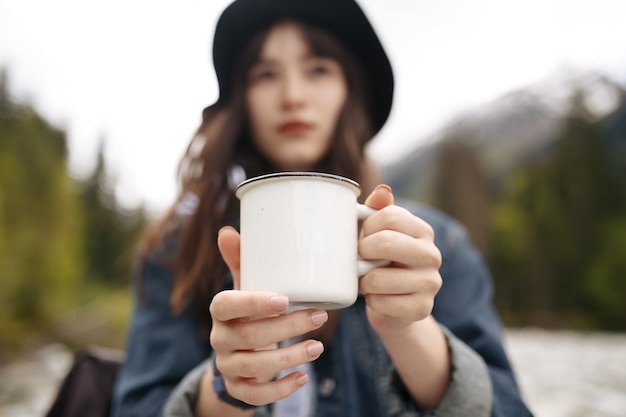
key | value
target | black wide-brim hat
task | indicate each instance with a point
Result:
(344, 19)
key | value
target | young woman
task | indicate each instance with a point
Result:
(304, 85)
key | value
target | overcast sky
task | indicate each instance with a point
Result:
(137, 73)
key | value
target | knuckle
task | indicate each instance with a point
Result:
(285, 360)
(215, 339)
(248, 334)
(219, 364)
(394, 217)
(416, 308)
(432, 257)
(249, 367)
(371, 282)
(217, 306)
(431, 282)
(384, 244)
(437, 282)
(242, 391)
(293, 325)
(429, 231)
(437, 256)
(424, 309)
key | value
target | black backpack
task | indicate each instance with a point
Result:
(87, 389)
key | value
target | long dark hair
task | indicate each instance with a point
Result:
(222, 145)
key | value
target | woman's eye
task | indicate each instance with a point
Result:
(318, 70)
(265, 75)
(262, 75)
(323, 67)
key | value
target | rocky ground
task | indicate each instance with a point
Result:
(570, 374)
(28, 385)
(561, 374)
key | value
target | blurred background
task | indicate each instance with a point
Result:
(510, 115)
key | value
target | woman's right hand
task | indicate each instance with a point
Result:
(247, 327)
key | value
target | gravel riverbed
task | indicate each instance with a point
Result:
(561, 374)
(570, 374)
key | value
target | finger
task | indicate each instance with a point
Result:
(258, 393)
(392, 281)
(405, 307)
(400, 248)
(234, 304)
(382, 196)
(252, 364)
(229, 244)
(398, 281)
(398, 219)
(252, 334)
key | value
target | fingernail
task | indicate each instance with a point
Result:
(219, 232)
(314, 349)
(319, 317)
(384, 187)
(302, 379)
(279, 302)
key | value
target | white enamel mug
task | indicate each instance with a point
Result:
(299, 238)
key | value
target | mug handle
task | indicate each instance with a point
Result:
(365, 266)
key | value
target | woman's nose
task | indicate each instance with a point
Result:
(294, 91)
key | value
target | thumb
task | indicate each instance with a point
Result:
(382, 196)
(229, 243)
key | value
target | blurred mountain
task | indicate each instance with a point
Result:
(510, 131)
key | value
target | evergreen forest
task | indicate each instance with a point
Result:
(66, 245)
(541, 191)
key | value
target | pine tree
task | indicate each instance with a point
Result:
(111, 231)
(40, 219)
(462, 189)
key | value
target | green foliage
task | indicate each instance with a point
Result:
(604, 282)
(40, 246)
(550, 221)
(558, 233)
(49, 221)
(110, 231)
(462, 188)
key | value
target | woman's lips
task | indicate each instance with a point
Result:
(294, 128)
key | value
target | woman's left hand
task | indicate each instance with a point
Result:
(403, 292)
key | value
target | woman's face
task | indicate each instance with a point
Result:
(293, 100)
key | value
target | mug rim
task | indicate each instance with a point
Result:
(278, 175)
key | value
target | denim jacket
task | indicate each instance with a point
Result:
(166, 355)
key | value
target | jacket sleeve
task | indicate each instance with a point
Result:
(161, 347)
(464, 305)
